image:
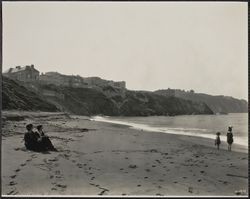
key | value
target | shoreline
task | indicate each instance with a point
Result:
(207, 140)
(97, 158)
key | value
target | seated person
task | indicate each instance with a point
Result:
(35, 142)
(45, 139)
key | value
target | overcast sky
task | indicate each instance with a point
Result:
(200, 46)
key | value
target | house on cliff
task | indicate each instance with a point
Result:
(25, 73)
(62, 80)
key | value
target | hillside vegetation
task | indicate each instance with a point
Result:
(218, 104)
(17, 97)
(120, 102)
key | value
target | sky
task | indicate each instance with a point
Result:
(200, 46)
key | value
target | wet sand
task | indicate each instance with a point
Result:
(96, 158)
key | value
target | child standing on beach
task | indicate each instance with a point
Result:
(217, 140)
(230, 139)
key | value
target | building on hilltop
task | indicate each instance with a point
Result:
(62, 80)
(54, 78)
(25, 73)
(121, 84)
(29, 73)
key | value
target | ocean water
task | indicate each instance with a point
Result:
(194, 125)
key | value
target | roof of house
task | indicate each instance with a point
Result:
(14, 70)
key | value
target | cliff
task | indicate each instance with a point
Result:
(103, 100)
(17, 97)
(111, 101)
(218, 104)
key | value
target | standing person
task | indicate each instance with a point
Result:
(45, 139)
(230, 139)
(217, 140)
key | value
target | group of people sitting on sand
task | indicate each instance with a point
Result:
(37, 140)
(229, 138)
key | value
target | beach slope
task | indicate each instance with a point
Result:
(96, 158)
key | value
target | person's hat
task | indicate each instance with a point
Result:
(218, 133)
(39, 127)
(230, 128)
(29, 126)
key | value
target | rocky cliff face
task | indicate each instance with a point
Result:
(218, 104)
(105, 100)
(17, 97)
(111, 101)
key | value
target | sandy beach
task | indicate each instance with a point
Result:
(97, 158)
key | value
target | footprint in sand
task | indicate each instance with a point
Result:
(17, 170)
(22, 165)
(148, 170)
(12, 192)
(13, 176)
(34, 156)
(153, 166)
(190, 189)
(61, 186)
(161, 180)
(79, 165)
(202, 171)
(103, 191)
(199, 180)
(132, 166)
(53, 159)
(138, 185)
(57, 172)
(12, 183)
(145, 177)
(121, 169)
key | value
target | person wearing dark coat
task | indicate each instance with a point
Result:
(45, 139)
(230, 139)
(35, 142)
(32, 140)
(217, 140)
